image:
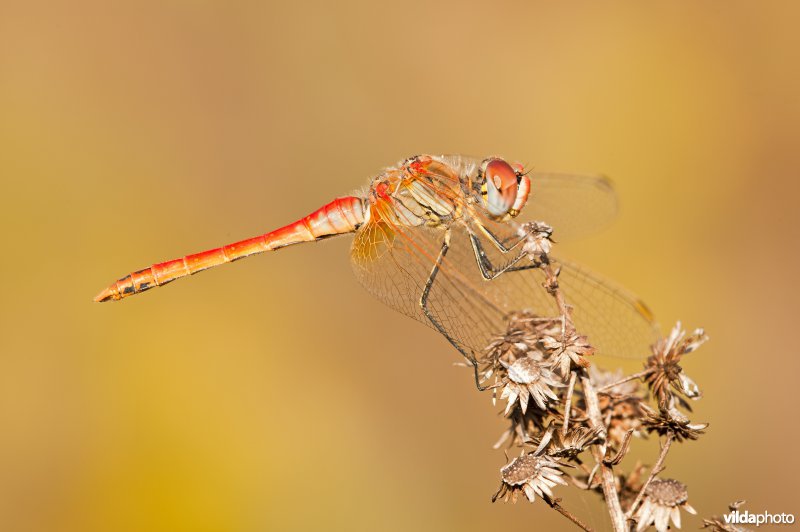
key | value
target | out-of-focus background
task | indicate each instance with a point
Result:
(276, 393)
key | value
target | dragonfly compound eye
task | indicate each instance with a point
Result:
(500, 187)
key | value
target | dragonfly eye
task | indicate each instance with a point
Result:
(500, 187)
(523, 190)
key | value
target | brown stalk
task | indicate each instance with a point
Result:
(606, 473)
(555, 504)
(640, 375)
(568, 405)
(610, 494)
(657, 468)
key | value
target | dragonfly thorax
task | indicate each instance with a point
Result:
(420, 191)
(435, 190)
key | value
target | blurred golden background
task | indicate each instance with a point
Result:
(229, 402)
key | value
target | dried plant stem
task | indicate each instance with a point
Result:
(593, 407)
(552, 285)
(592, 473)
(606, 473)
(657, 468)
(568, 405)
(555, 504)
(629, 378)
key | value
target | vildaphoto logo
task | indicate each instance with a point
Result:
(764, 518)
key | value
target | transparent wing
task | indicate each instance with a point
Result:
(574, 205)
(617, 322)
(395, 263)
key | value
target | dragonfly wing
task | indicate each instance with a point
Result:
(390, 268)
(395, 264)
(617, 322)
(574, 205)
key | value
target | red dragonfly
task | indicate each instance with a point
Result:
(438, 239)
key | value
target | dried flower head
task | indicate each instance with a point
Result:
(516, 342)
(567, 349)
(537, 240)
(671, 421)
(664, 365)
(662, 502)
(531, 474)
(525, 425)
(568, 446)
(527, 378)
(521, 338)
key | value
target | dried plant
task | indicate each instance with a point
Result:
(662, 502)
(561, 411)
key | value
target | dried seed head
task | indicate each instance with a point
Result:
(531, 475)
(666, 371)
(577, 440)
(520, 470)
(564, 350)
(519, 340)
(667, 492)
(526, 378)
(537, 242)
(661, 503)
(671, 421)
(514, 343)
(525, 425)
(525, 371)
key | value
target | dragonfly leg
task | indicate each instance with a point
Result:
(504, 245)
(488, 271)
(423, 302)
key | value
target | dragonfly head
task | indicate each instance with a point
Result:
(504, 188)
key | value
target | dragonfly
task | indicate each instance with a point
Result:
(439, 238)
